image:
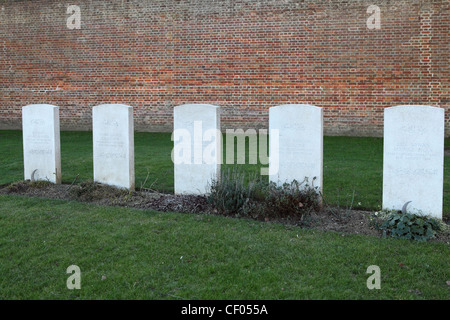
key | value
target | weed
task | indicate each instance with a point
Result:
(404, 225)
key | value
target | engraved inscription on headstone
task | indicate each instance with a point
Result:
(300, 143)
(413, 159)
(41, 142)
(197, 152)
(113, 139)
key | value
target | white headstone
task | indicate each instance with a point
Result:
(41, 144)
(413, 159)
(113, 139)
(197, 152)
(296, 139)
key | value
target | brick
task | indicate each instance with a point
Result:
(244, 56)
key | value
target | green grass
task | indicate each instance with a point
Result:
(149, 255)
(352, 165)
(143, 254)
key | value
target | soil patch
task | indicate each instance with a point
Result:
(328, 219)
(446, 151)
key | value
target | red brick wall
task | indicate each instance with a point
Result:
(244, 56)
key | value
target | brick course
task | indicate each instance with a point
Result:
(244, 56)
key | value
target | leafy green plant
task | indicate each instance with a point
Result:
(403, 225)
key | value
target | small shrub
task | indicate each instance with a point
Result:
(408, 226)
(235, 195)
(230, 194)
(291, 199)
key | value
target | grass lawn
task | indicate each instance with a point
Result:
(137, 254)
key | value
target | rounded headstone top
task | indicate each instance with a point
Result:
(413, 107)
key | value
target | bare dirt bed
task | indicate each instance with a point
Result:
(328, 219)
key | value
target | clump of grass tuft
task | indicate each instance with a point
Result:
(90, 191)
(18, 186)
(24, 185)
(40, 183)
